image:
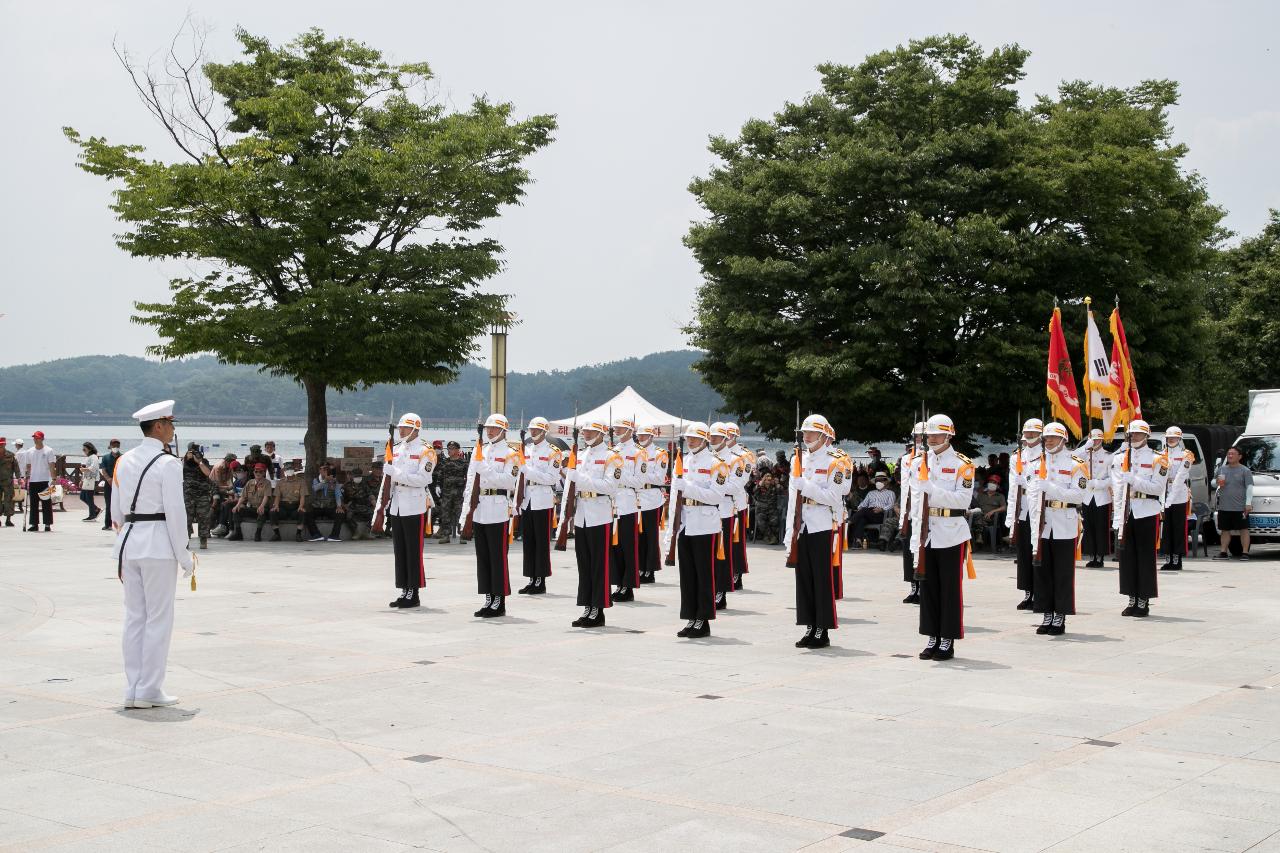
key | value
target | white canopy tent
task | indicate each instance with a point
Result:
(627, 404)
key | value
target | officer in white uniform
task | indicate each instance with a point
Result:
(654, 466)
(908, 497)
(729, 506)
(409, 465)
(699, 480)
(1138, 477)
(747, 460)
(819, 490)
(151, 545)
(1024, 461)
(1054, 493)
(1177, 499)
(625, 559)
(840, 460)
(596, 477)
(945, 477)
(498, 467)
(1097, 502)
(537, 511)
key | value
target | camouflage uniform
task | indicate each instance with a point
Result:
(198, 493)
(8, 470)
(767, 518)
(359, 499)
(453, 482)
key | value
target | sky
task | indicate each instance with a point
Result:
(637, 88)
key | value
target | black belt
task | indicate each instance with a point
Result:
(144, 516)
(1143, 496)
(1060, 505)
(491, 492)
(940, 512)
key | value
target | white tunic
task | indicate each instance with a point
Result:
(825, 476)
(1099, 491)
(653, 471)
(1065, 481)
(949, 486)
(410, 471)
(626, 498)
(541, 475)
(160, 491)
(705, 479)
(1178, 490)
(597, 477)
(1018, 482)
(498, 470)
(1145, 479)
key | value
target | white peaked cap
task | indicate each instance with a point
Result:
(154, 412)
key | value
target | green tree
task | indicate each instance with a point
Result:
(336, 211)
(901, 235)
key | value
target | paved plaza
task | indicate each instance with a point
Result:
(314, 718)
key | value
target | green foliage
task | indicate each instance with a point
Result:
(308, 203)
(901, 235)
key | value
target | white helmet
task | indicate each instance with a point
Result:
(1033, 425)
(409, 419)
(732, 429)
(1139, 425)
(1173, 432)
(540, 423)
(1055, 430)
(1095, 434)
(697, 429)
(496, 420)
(624, 423)
(718, 430)
(815, 423)
(646, 429)
(939, 425)
(918, 429)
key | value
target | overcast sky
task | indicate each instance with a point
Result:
(638, 88)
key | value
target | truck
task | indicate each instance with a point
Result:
(1259, 448)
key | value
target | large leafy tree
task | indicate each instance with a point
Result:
(900, 236)
(335, 211)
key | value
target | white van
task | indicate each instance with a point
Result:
(1259, 448)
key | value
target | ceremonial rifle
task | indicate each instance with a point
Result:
(570, 508)
(379, 521)
(476, 456)
(906, 482)
(1124, 496)
(797, 518)
(675, 462)
(1017, 493)
(515, 521)
(1043, 474)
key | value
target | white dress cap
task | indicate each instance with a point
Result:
(154, 412)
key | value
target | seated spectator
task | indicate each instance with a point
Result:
(861, 486)
(290, 502)
(223, 476)
(986, 515)
(872, 508)
(876, 465)
(326, 504)
(253, 503)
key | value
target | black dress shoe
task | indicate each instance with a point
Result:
(490, 612)
(1129, 611)
(411, 601)
(1166, 566)
(684, 632)
(35, 528)
(737, 584)
(699, 633)
(647, 578)
(580, 622)
(396, 602)
(624, 595)
(1026, 604)
(540, 589)
(805, 642)
(1093, 564)
(236, 537)
(482, 612)
(1142, 612)
(1171, 567)
(597, 622)
(48, 528)
(721, 602)
(945, 655)
(913, 598)
(297, 535)
(820, 642)
(928, 653)
(275, 536)
(1046, 628)
(1057, 630)
(526, 589)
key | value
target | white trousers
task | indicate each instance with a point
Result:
(149, 589)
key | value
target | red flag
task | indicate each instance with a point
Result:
(1060, 382)
(1122, 376)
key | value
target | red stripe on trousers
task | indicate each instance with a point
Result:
(422, 568)
(831, 577)
(713, 576)
(506, 570)
(964, 553)
(548, 542)
(608, 586)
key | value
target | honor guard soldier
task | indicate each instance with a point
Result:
(1054, 493)
(817, 493)
(1177, 498)
(699, 482)
(1025, 462)
(653, 475)
(726, 568)
(1097, 502)
(494, 469)
(840, 460)
(747, 460)
(945, 480)
(625, 560)
(537, 511)
(407, 467)
(594, 476)
(1139, 475)
(151, 545)
(908, 496)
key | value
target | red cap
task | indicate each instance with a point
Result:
(259, 466)
(994, 478)
(437, 444)
(2, 440)
(38, 434)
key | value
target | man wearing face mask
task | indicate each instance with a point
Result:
(872, 508)
(596, 473)
(1097, 502)
(541, 475)
(1026, 462)
(907, 499)
(725, 566)
(408, 464)
(1139, 476)
(625, 559)
(744, 460)
(496, 467)
(359, 495)
(290, 502)
(946, 478)
(653, 472)
(1177, 499)
(1054, 493)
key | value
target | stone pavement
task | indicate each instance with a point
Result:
(314, 718)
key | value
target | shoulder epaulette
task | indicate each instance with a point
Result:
(1077, 459)
(964, 458)
(837, 452)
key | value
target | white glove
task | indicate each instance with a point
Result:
(800, 483)
(188, 568)
(677, 484)
(389, 470)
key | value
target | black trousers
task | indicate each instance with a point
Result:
(1023, 553)
(861, 518)
(324, 513)
(1138, 557)
(406, 542)
(591, 545)
(1173, 537)
(650, 542)
(1097, 531)
(492, 576)
(1056, 577)
(740, 547)
(697, 555)
(106, 502)
(724, 568)
(908, 570)
(287, 512)
(816, 581)
(624, 562)
(248, 512)
(536, 534)
(942, 593)
(37, 507)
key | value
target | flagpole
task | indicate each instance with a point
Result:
(1088, 384)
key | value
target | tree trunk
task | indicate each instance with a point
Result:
(316, 440)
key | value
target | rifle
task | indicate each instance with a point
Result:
(515, 520)
(469, 524)
(678, 503)
(1044, 462)
(797, 517)
(383, 501)
(924, 518)
(906, 485)
(1124, 500)
(570, 508)
(1017, 495)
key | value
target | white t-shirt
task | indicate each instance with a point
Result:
(41, 460)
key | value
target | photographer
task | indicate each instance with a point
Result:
(197, 491)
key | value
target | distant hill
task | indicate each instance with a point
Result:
(119, 385)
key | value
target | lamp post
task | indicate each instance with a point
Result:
(498, 363)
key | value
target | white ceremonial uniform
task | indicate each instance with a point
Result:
(729, 505)
(909, 496)
(1066, 482)
(1146, 478)
(541, 476)
(1178, 489)
(1099, 490)
(826, 476)
(706, 482)
(410, 471)
(597, 477)
(626, 497)
(1019, 483)
(498, 470)
(653, 474)
(949, 487)
(148, 554)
